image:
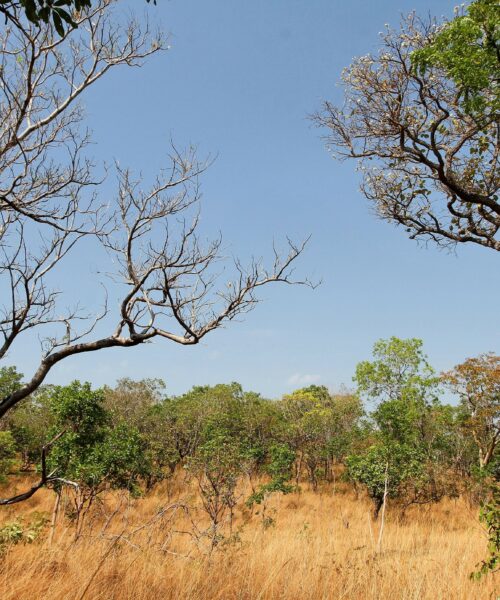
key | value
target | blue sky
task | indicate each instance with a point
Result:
(239, 81)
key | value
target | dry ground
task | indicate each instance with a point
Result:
(321, 546)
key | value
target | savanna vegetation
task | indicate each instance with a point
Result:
(210, 478)
(388, 489)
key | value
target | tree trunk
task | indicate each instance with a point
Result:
(379, 501)
(53, 520)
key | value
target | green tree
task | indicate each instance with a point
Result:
(7, 454)
(131, 400)
(307, 427)
(30, 423)
(490, 517)
(320, 428)
(279, 468)
(400, 370)
(92, 453)
(385, 466)
(217, 466)
(411, 429)
(467, 48)
(10, 380)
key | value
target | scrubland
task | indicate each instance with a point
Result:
(303, 545)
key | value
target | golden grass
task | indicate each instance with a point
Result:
(322, 546)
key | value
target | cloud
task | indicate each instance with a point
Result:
(303, 379)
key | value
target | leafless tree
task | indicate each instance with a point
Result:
(427, 163)
(50, 202)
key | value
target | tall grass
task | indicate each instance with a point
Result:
(310, 546)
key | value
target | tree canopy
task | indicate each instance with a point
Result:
(421, 119)
(62, 13)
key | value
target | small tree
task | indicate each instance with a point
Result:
(385, 469)
(307, 425)
(490, 517)
(30, 423)
(279, 468)
(10, 380)
(92, 454)
(7, 454)
(410, 427)
(217, 466)
(477, 384)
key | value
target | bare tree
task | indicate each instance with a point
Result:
(165, 281)
(428, 164)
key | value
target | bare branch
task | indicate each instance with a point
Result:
(426, 164)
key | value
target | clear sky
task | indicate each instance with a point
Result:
(239, 81)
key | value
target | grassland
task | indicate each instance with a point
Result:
(307, 545)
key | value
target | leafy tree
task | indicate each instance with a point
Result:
(468, 50)
(400, 371)
(30, 423)
(420, 117)
(307, 420)
(10, 380)
(347, 425)
(231, 434)
(410, 426)
(490, 517)
(92, 453)
(477, 384)
(7, 454)
(279, 468)
(131, 400)
(217, 466)
(320, 428)
(385, 466)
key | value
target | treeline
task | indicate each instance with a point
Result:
(393, 436)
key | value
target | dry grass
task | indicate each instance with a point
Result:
(321, 546)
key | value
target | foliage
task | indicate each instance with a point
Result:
(60, 12)
(490, 517)
(17, 532)
(399, 463)
(10, 380)
(400, 371)
(279, 468)
(131, 400)
(91, 452)
(31, 423)
(411, 429)
(467, 48)
(408, 444)
(7, 454)
(320, 427)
